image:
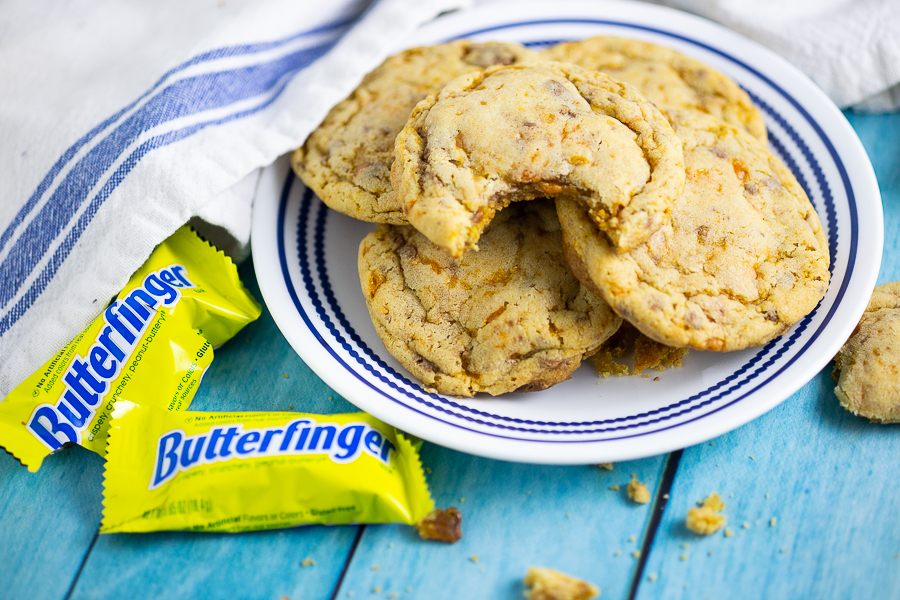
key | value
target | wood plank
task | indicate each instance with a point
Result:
(48, 520)
(247, 373)
(827, 477)
(514, 516)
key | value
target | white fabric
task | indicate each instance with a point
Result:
(123, 119)
(850, 48)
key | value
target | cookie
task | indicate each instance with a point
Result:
(532, 130)
(742, 258)
(511, 317)
(347, 160)
(667, 78)
(867, 368)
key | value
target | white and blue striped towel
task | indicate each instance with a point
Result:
(123, 119)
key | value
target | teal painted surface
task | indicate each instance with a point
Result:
(48, 520)
(514, 516)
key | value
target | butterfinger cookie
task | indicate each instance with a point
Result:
(532, 130)
(347, 160)
(867, 368)
(742, 258)
(667, 78)
(509, 317)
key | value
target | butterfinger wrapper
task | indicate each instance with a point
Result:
(209, 471)
(150, 346)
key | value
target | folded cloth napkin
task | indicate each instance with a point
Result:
(851, 48)
(122, 119)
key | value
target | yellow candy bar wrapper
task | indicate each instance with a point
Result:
(150, 346)
(213, 471)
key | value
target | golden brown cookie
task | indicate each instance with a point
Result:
(867, 368)
(532, 130)
(509, 317)
(667, 78)
(742, 259)
(347, 160)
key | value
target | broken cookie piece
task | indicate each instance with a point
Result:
(549, 584)
(867, 368)
(535, 130)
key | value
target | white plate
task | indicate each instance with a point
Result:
(305, 259)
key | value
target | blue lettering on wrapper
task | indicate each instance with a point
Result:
(167, 457)
(87, 379)
(341, 443)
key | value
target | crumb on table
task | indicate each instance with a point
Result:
(549, 584)
(638, 492)
(705, 519)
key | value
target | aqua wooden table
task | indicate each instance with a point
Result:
(812, 496)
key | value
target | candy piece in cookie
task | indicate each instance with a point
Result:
(867, 368)
(743, 258)
(347, 160)
(667, 78)
(534, 130)
(509, 317)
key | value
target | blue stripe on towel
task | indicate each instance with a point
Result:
(186, 97)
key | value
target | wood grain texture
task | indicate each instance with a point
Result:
(48, 521)
(514, 516)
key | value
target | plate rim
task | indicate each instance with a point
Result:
(586, 451)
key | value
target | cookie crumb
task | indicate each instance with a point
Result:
(617, 553)
(607, 466)
(550, 584)
(614, 488)
(307, 562)
(685, 545)
(638, 492)
(773, 522)
(665, 496)
(428, 470)
(728, 532)
(706, 519)
(286, 376)
(568, 515)
(632, 539)
(376, 589)
(394, 595)
(441, 525)
(291, 406)
(461, 500)
(652, 576)
(474, 558)
(375, 567)
(636, 554)
(745, 525)
(784, 550)
(683, 556)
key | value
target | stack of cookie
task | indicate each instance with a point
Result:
(651, 197)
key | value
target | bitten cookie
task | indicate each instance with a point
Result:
(867, 368)
(347, 160)
(742, 259)
(667, 78)
(532, 130)
(511, 317)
